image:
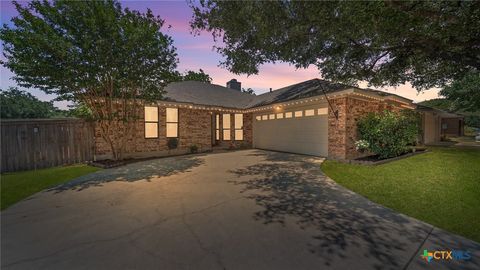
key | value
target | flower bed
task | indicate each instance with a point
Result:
(376, 160)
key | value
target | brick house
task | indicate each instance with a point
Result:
(314, 117)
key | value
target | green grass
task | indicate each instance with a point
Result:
(441, 187)
(20, 185)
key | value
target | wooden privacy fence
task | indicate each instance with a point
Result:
(30, 144)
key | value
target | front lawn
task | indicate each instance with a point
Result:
(19, 185)
(441, 187)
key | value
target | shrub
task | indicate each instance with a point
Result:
(470, 131)
(172, 143)
(361, 145)
(388, 134)
(193, 148)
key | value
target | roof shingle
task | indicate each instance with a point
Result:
(216, 95)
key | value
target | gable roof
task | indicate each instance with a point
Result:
(445, 114)
(310, 88)
(216, 95)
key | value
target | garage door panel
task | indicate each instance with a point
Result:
(306, 135)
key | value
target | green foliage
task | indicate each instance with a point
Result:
(389, 133)
(94, 53)
(172, 143)
(17, 104)
(80, 111)
(193, 148)
(439, 103)
(362, 145)
(464, 93)
(76, 49)
(248, 91)
(470, 131)
(200, 76)
(472, 118)
(426, 43)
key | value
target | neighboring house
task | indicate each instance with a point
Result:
(438, 124)
(314, 117)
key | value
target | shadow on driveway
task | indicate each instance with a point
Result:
(144, 170)
(292, 186)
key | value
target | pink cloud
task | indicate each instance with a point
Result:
(406, 90)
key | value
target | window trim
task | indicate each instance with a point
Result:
(229, 127)
(309, 112)
(237, 128)
(167, 122)
(322, 111)
(145, 122)
(217, 127)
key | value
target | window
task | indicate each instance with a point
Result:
(238, 127)
(258, 118)
(151, 122)
(298, 113)
(217, 127)
(288, 115)
(226, 126)
(265, 117)
(172, 122)
(309, 112)
(322, 111)
(279, 115)
(271, 116)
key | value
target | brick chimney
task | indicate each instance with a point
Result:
(234, 84)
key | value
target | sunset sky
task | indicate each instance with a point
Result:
(195, 52)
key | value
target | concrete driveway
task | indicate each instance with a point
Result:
(248, 209)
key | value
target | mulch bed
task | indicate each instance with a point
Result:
(109, 163)
(375, 160)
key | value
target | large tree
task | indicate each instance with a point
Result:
(19, 104)
(464, 93)
(426, 43)
(94, 53)
(199, 76)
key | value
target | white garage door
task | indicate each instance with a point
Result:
(304, 135)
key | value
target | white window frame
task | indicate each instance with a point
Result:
(288, 115)
(298, 114)
(229, 128)
(322, 111)
(167, 122)
(238, 126)
(149, 121)
(279, 115)
(310, 112)
(217, 127)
